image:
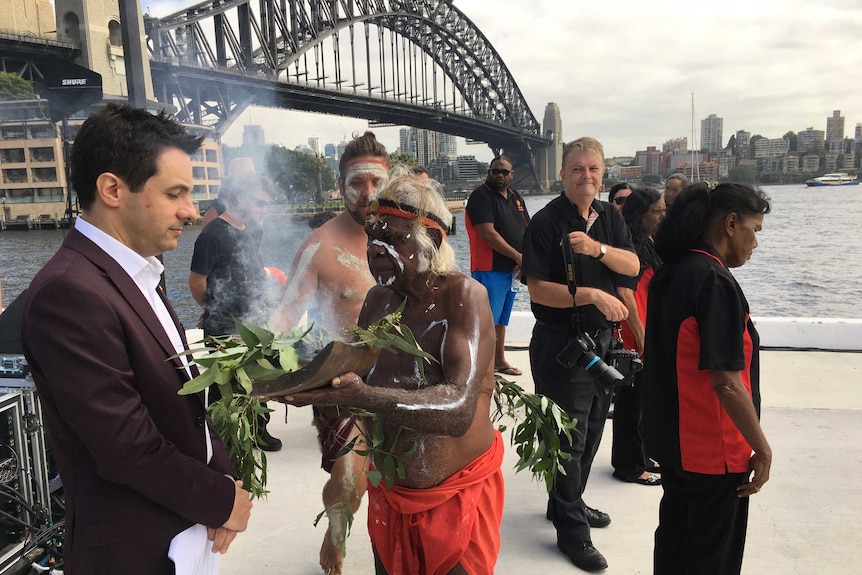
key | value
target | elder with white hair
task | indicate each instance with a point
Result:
(443, 515)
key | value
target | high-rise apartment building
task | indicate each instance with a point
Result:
(809, 139)
(446, 145)
(252, 136)
(835, 132)
(330, 151)
(711, 133)
(314, 144)
(550, 159)
(742, 141)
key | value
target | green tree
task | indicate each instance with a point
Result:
(14, 87)
(744, 174)
(650, 179)
(791, 137)
(753, 141)
(298, 176)
(403, 158)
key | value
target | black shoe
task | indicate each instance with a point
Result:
(597, 519)
(265, 441)
(584, 555)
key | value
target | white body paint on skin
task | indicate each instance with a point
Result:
(301, 271)
(473, 346)
(391, 250)
(351, 195)
(350, 261)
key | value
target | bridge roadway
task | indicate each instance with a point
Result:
(803, 522)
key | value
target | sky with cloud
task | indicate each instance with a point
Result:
(623, 71)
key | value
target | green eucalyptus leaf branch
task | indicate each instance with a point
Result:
(539, 427)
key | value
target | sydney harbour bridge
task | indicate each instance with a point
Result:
(419, 63)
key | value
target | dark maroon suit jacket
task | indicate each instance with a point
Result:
(130, 451)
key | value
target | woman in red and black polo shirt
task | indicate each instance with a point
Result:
(701, 390)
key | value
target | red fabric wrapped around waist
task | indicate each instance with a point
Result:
(429, 531)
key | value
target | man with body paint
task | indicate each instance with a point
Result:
(444, 515)
(329, 278)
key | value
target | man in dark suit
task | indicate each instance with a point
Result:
(139, 463)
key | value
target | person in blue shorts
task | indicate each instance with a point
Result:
(496, 220)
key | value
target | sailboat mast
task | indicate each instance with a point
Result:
(695, 169)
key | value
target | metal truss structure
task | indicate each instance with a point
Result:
(419, 63)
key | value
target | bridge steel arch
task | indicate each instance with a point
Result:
(419, 63)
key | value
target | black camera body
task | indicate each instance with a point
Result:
(626, 361)
(581, 351)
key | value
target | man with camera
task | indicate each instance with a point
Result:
(574, 302)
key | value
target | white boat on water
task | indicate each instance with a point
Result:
(836, 179)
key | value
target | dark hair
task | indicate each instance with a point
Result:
(500, 158)
(697, 209)
(638, 204)
(617, 188)
(244, 184)
(364, 145)
(126, 142)
(418, 170)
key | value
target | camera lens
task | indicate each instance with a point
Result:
(604, 374)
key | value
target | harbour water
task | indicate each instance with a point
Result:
(807, 264)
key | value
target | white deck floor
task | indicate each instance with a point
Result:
(805, 521)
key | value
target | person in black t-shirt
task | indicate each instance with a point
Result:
(603, 249)
(496, 218)
(227, 275)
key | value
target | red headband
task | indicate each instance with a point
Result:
(386, 208)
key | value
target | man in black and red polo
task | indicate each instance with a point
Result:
(496, 219)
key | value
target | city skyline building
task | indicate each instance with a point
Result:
(742, 140)
(711, 133)
(314, 144)
(835, 132)
(676, 145)
(252, 135)
(810, 139)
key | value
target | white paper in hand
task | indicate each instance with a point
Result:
(192, 554)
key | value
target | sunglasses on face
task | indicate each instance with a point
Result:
(500, 172)
(620, 200)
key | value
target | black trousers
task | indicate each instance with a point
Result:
(702, 524)
(627, 449)
(577, 393)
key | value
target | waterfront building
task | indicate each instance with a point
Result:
(314, 144)
(835, 132)
(830, 161)
(652, 161)
(849, 161)
(631, 172)
(468, 168)
(33, 180)
(810, 163)
(676, 145)
(725, 160)
(771, 148)
(809, 140)
(711, 133)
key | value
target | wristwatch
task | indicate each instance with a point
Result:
(603, 249)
